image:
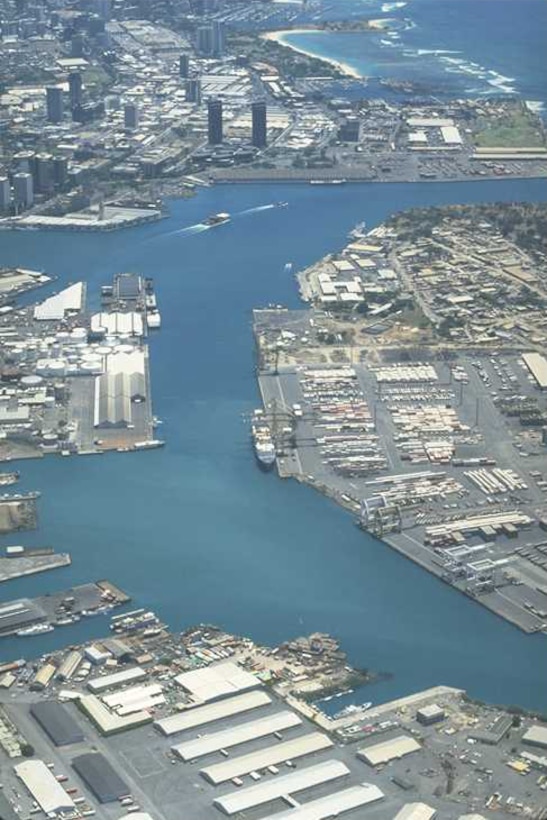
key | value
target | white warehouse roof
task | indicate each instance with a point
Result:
(108, 722)
(116, 679)
(200, 715)
(272, 755)
(135, 693)
(537, 365)
(251, 730)
(289, 784)
(217, 681)
(333, 804)
(415, 811)
(389, 750)
(43, 786)
(116, 323)
(54, 308)
(536, 736)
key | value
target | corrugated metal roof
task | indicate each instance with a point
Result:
(250, 730)
(108, 722)
(245, 799)
(200, 715)
(272, 755)
(57, 722)
(389, 750)
(536, 735)
(415, 811)
(116, 679)
(217, 681)
(100, 776)
(41, 783)
(333, 804)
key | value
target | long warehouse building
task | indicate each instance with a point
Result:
(388, 750)
(252, 730)
(200, 715)
(271, 756)
(57, 722)
(333, 805)
(103, 682)
(101, 777)
(43, 786)
(289, 784)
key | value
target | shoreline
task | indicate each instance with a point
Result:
(279, 38)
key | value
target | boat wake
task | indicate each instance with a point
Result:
(257, 209)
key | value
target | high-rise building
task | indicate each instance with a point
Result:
(77, 45)
(23, 191)
(184, 65)
(130, 117)
(204, 40)
(75, 89)
(54, 104)
(5, 194)
(218, 38)
(60, 171)
(102, 8)
(259, 137)
(214, 122)
(43, 177)
(193, 90)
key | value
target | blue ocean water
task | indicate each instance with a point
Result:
(448, 47)
(195, 531)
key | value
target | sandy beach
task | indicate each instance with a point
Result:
(279, 37)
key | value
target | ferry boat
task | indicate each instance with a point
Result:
(262, 441)
(217, 219)
(35, 629)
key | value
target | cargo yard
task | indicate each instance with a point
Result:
(76, 381)
(434, 435)
(143, 721)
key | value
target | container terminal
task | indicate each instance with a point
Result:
(144, 720)
(433, 438)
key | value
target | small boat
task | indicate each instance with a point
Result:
(35, 629)
(217, 219)
(281, 204)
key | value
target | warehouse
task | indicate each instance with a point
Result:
(109, 723)
(15, 615)
(116, 679)
(100, 776)
(251, 730)
(116, 324)
(44, 788)
(69, 665)
(333, 804)
(289, 784)
(537, 365)
(536, 736)
(200, 715)
(415, 811)
(389, 750)
(271, 756)
(43, 677)
(57, 722)
(216, 682)
(136, 694)
(54, 309)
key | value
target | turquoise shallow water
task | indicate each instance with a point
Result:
(195, 531)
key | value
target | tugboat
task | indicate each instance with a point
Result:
(262, 441)
(217, 219)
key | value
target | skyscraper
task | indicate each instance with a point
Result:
(184, 63)
(75, 89)
(204, 40)
(43, 176)
(5, 194)
(259, 137)
(193, 90)
(214, 122)
(60, 171)
(130, 117)
(218, 38)
(54, 104)
(23, 191)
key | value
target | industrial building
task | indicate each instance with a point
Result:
(57, 722)
(135, 699)
(536, 736)
(107, 722)
(537, 365)
(44, 788)
(69, 666)
(116, 323)
(388, 750)
(55, 308)
(415, 811)
(100, 776)
(216, 682)
(432, 713)
(270, 756)
(287, 785)
(15, 615)
(333, 805)
(200, 715)
(244, 732)
(103, 682)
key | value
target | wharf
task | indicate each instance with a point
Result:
(31, 564)
(18, 512)
(109, 218)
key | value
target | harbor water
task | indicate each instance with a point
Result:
(195, 531)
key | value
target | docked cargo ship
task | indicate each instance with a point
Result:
(262, 441)
(217, 219)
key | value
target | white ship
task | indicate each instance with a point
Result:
(262, 441)
(217, 219)
(35, 629)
